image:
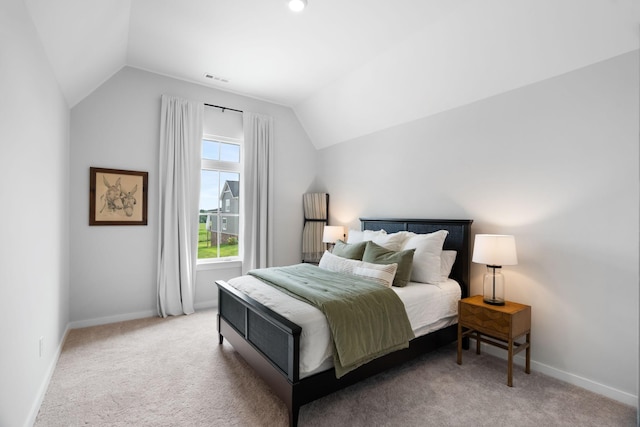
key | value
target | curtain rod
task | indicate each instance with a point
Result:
(223, 108)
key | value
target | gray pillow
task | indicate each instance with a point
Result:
(376, 254)
(349, 250)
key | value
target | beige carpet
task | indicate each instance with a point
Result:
(172, 372)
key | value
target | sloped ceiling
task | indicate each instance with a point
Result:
(347, 68)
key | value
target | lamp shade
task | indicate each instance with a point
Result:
(495, 249)
(332, 233)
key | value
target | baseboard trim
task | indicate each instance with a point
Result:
(602, 389)
(44, 386)
(112, 319)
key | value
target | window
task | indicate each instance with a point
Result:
(219, 186)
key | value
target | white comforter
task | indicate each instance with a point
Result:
(429, 308)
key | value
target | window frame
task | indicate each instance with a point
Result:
(223, 166)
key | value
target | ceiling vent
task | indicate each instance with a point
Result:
(216, 78)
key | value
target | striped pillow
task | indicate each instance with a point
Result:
(382, 274)
(336, 263)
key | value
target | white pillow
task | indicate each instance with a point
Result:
(333, 262)
(426, 259)
(393, 241)
(446, 264)
(357, 236)
(380, 273)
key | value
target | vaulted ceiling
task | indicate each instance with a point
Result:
(347, 67)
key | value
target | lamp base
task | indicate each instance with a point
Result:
(493, 286)
(493, 301)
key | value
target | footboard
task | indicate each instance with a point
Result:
(266, 340)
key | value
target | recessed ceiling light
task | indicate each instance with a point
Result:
(297, 5)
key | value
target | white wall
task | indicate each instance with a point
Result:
(34, 255)
(113, 268)
(554, 163)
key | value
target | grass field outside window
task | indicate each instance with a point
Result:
(207, 251)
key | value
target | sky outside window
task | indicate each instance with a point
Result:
(214, 150)
(212, 181)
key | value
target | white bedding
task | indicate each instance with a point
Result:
(429, 308)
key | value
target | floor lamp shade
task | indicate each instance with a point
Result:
(494, 250)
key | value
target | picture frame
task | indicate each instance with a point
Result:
(117, 197)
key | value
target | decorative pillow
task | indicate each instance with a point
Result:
(446, 264)
(379, 273)
(338, 264)
(382, 274)
(349, 250)
(357, 236)
(378, 255)
(426, 262)
(393, 241)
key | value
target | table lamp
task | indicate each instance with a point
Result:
(494, 250)
(332, 233)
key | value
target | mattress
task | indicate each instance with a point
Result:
(429, 308)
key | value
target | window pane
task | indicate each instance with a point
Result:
(211, 150)
(209, 190)
(219, 228)
(229, 152)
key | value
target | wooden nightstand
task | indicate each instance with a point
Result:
(504, 324)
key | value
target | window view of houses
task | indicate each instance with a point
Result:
(219, 200)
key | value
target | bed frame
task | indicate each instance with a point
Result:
(270, 343)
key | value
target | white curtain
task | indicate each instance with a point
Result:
(179, 188)
(257, 209)
(315, 207)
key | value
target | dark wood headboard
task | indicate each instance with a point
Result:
(458, 239)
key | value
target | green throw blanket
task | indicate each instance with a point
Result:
(367, 320)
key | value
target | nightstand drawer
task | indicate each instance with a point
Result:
(485, 320)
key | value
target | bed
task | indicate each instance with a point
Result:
(271, 343)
